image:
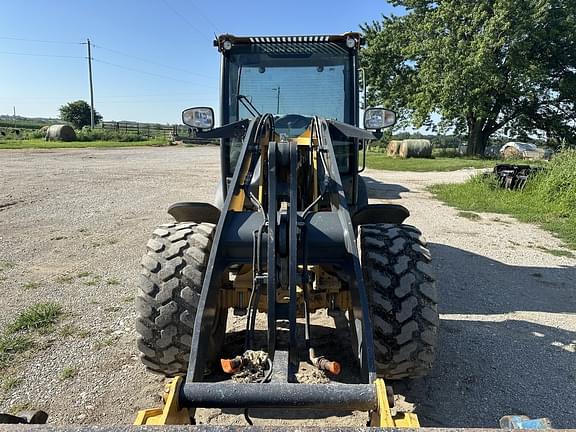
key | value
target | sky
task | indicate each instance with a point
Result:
(152, 58)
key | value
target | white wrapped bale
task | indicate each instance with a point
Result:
(415, 148)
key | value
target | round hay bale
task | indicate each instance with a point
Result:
(393, 147)
(416, 148)
(60, 133)
(511, 153)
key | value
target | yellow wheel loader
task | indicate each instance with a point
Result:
(291, 233)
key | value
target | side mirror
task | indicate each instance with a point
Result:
(199, 117)
(378, 118)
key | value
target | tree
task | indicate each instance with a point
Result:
(483, 66)
(78, 113)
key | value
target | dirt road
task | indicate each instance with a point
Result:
(73, 225)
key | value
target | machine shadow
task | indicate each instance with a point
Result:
(469, 283)
(491, 364)
(386, 191)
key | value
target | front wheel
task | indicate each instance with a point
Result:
(171, 282)
(403, 300)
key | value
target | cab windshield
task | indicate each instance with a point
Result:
(294, 82)
(306, 79)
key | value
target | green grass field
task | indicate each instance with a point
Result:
(381, 161)
(549, 199)
(42, 144)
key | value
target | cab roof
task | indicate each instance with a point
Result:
(289, 41)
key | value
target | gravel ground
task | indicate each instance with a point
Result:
(73, 226)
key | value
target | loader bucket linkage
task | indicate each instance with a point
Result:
(278, 236)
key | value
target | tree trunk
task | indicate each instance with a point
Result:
(477, 138)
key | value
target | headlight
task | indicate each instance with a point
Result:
(351, 42)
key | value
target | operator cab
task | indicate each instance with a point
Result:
(295, 78)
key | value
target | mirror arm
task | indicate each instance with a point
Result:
(236, 129)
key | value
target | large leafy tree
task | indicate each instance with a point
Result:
(483, 66)
(78, 113)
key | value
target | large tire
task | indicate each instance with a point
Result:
(403, 299)
(172, 275)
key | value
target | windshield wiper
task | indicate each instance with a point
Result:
(248, 105)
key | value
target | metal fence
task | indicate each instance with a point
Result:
(145, 129)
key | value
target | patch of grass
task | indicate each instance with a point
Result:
(10, 345)
(18, 408)
(83, 334)
(11, 383)
(31, 285)
(112, 309)
(67, 373)
(68, 330)
(548, 200)
(383, 162)
(93, 280)
(557, 252)
(469, 215)
(40, 315)
(65, 279)
(41, 144)
(6, 265)
(84, 274)
(106, 342)
(113, 281)
(128, 299)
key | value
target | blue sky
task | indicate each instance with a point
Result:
(152, 58)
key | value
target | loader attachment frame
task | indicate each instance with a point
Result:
(275, 238)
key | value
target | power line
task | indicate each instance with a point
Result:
(103, 62)
(40, 55)
(143, 72)
(39, 40)
(142, 95)
(183, 17)
(150, 61)
(208, 20)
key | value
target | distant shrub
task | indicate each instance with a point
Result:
(445, 152)
(108, 135)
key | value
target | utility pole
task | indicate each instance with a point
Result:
(91, 87)
(277, 89)
(14, 116)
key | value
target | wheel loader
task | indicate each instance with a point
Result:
(291, 233)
